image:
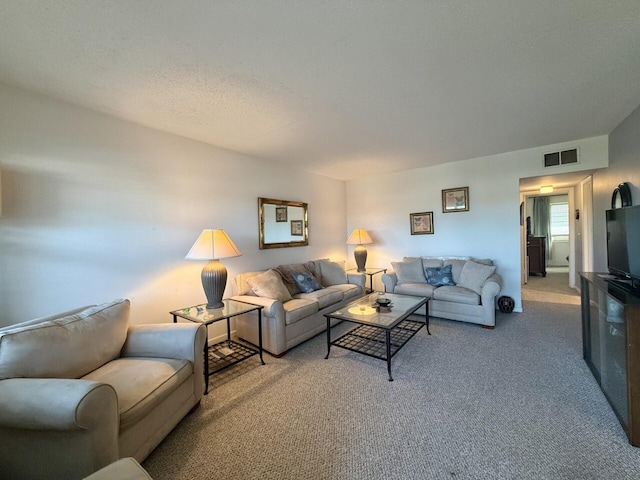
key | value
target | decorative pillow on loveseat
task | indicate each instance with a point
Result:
(306, 282)
(269, 285)
(474, 275)
(409, 271)
(439, 277)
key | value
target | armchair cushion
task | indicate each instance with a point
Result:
(141, 383)
(65, 347)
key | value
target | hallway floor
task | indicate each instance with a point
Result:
(554, 288)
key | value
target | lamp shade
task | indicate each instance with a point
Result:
(213, 245)
(359, 236)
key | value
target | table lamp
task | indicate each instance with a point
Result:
(213, 245)
(360, 237)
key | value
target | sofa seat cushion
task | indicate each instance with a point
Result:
(348, 290)
(456, 294)
(141, 383)
(324, 297)
(299, 308)
(416, 289)
(65, 347)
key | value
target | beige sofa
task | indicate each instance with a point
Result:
(459, 288)
(291, 316)
(81, 389)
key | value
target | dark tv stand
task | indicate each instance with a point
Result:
(611, 345)
(628, 285)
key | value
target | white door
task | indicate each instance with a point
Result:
(586, 218)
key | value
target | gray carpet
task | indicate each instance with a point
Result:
(553, 288)
(516, 402)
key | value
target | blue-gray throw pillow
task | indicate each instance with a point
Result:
(439, 277)
(306, 282)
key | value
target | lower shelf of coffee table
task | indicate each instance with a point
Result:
(371, 341)
(226, 354)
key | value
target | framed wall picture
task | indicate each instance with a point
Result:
(421, 223)
(455, 200)
(281, 214)
(296, 228)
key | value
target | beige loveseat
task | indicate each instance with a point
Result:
(81, 389)
(459, 288)
(291, 316)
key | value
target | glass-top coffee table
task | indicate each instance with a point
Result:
(381, 332)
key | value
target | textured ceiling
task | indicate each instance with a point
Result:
(338, 87)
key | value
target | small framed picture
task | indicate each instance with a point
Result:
(281, 214)
(296, 228)
(421, 223)
(455, 200)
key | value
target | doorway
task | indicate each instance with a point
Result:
(568, 226)
(548, 234)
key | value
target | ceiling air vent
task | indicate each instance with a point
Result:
(554, 159)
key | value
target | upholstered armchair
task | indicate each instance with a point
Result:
(80, 390)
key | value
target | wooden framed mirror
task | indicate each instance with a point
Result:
(282, 223)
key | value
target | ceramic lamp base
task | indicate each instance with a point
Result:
(214, 281)
(360, 254)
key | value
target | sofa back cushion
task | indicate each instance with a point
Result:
(269, 285)
(241, 285)
(409, 271)
(474, 275)
(456, 268)
(332, 273)
(69, 346)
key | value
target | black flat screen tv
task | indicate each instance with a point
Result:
(623, 244)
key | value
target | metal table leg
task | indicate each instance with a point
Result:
(260, 334)
(206, 360)
(388, 335)
(328, 337)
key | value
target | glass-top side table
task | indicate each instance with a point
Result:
(228, 352)
(370, 272)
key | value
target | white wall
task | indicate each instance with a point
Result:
(491, 227)
(624, 166)
(95, 208)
